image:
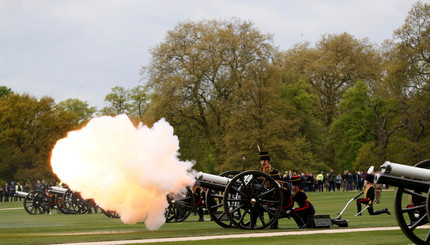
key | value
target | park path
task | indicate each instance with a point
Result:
(236, 236)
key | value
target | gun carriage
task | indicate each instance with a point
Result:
(65, 200)
(411, 198)
(247, 200)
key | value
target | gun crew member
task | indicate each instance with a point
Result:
(369, 197)
(305, 207)
(286, 193)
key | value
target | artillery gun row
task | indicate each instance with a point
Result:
(247, 200)
(62, 199)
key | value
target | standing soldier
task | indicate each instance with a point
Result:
(286, 193)
(198, 202)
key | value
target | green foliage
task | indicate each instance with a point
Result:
(367, 156)
(118, 100)
(29, 129)
(5, 91)
(332, 66)
(206, 74)
(80, 108)
(354, 126)
(133, 102)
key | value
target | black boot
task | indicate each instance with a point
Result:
(200, 212)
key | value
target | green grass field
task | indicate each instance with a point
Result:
(18, 227)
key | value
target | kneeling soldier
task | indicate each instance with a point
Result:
(305, 207)
(369, 196)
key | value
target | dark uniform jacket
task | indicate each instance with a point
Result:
(302, 200)
(286, 192)
(369, 193)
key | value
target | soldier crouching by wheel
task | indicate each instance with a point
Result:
(305, 207)
(286, 193)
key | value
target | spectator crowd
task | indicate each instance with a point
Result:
(330, 181)
(8, 190)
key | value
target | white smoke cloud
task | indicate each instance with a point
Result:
(124, 168)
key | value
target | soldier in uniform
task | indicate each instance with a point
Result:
(369, 197)
(305, 207)
(286, 193)
(198, 202)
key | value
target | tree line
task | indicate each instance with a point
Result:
(227, 89)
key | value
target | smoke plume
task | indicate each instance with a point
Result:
(124, 168)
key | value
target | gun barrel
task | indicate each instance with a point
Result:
(405, 170)
(21, 194)
(210, 185)
(57, 190)
(411, 184)
(213, 178)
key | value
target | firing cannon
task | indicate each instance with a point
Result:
(180, 206)
(411, 198)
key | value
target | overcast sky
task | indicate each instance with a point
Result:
(83, 48)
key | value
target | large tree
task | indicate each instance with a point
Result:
(364, 128)
(197, 74)
(118, 101)
(332, 66)
(408, 69)
(29, 129)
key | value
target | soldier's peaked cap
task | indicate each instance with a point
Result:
(295, 180)
(264, 155)
(370, 178)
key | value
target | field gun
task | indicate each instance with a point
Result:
(411, 198)
(247, 200)
(63, 199)
(250, 200)
(21, 194)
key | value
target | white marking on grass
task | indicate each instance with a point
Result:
(247, 235)
(1, 209)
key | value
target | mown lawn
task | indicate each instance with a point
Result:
(18, 227)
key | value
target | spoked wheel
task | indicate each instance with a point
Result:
(252, 200)
(214, 203)
(60, 204)
(180, 206)
(73, 203)
(36, 202)
(411, 209)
